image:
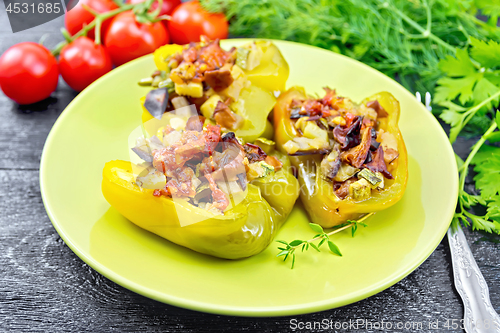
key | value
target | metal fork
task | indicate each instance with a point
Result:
(479, 314)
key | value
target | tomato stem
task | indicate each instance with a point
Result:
(156, 12)
(42, 39)
(66, 35)
(98, 24)
(90, 10)
(99, 17)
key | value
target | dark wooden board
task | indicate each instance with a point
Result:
(45, 287)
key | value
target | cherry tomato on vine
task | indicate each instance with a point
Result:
(28, 73)
(77, 17)
(127, 39)
(167, 6)
(82, 62)
(190, 21)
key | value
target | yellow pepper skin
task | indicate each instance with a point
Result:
(273, 70)
(256, 101)
(163, 53)
(243, 231)
(317, 195)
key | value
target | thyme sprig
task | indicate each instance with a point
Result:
(289, 248)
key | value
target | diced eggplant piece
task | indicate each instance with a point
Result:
(203, 192)
(310, 152)
(144, 153)
(374, 145)
(155, 143)
(242, 180)
(144, 148)
(156, 102)
(330, 164)
(295, 113)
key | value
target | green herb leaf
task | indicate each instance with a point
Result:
(484, 89)
(493, 137)
(314, 247)
(486, 53)
(451, 88)
(282, 253)
(480, 223)
(493, 211)
(488, 175)
(488, 7)
(469, 200)
(459, 66)
(316, 227)
(334, 248)
(296, 242)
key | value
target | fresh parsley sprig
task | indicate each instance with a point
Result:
(470, 94)
(487, 165)
(323, 237)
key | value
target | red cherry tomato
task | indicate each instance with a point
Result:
(28, 73)
(190, 21)
(82, 62)
(127, 39)
(167, 6)
(76, 18)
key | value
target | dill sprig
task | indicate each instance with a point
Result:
(403, 39)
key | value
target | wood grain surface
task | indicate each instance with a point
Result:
(45, 287)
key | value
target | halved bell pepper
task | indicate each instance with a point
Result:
(254, 105)
(317, 193)
(243, 231)
(273, 70)
(256, 99)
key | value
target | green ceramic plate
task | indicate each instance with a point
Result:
(94, 129)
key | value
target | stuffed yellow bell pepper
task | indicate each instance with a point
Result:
(203, 189)
(234, 89)
(351, 158)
